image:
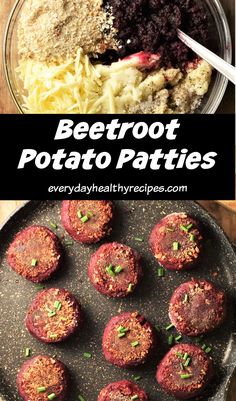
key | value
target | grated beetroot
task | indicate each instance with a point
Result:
(151, 26)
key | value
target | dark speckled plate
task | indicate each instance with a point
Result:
(89, 376)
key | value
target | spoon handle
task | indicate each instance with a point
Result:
(217, 62)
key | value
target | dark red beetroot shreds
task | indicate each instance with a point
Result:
(123, 390)
(115, 269)
(151, 26)
(53, 316)
(197, 307)
(128, 340)
(176, 241)
(181, 381)
(43, 372)
(35, 253)
(87, 221)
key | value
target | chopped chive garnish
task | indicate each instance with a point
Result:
(52, 396)
(175, 246)
(122, 329)
(169, 327)
(170, 339)
(89, 213)
(137, 378)
(186, 376)
(179, 354)
(187, 362)
(53, 225)
(189, 226)
(69, 242)
(184, 228)
(110, 271)
(118, 269)
(134, 397)
(27, 352)
(208, 349)
(87, 355)
(53, 336)
(79, 214)
(120, 335)
(181, 366)
(34, 262)
(178, 338)
(63, 318)
(41, 389)
(185, 357)
(57, 305)
(192, 237)
(51, 313)
(160, 272)
(130, 287)
(138, 239)
(40, 286)
(186, 298)
(204, 347)
(84, 219)
(81, 398)
(134, 343)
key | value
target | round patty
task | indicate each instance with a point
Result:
(41, 377)
(35, 253)
(53, 316)
(185, 371)
(87, 221)
(123, 390)
(197, 307)
(115, 269)
(128, 340)
(175, 241)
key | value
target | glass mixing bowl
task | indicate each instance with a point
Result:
(220, 40)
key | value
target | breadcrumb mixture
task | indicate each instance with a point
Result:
(52, 30)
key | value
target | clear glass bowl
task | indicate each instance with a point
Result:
(220, 43)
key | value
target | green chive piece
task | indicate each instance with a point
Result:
(84, 219)
(110, 271)
(34, 262)
(62, 318)
(87, 355)
(57, 305)
(186, 376)
(138, 239)
(53, 336)
(208, 349)
(41, 389)
(137, 378)
(120, 335)
(89, 213)
(134, 343)
(176, 246)
(122, 329)
(187, 363)
(181, 366)
(81, 398)
(179, 354)
(53, 225)
(51, 313)
(130, 287)
(186, 298)
(184, 228)
(118, 269)
(79, 214)
(69, 242)
(27, 352)
(40, 286)
(169, 327)
(204, 347)
(189, 226)
(185, 356)
(170, 339)
(51, 396)
(192, 237)
(178, 338)
(134, 397)
(160, 272)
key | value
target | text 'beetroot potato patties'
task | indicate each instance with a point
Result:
(175, 241)
(197, 307)
(123, 390)
(87, 221)
(128, 340)
(53, 316)
(43, 378)
(35, 253)
(115, 269)
(185, 371)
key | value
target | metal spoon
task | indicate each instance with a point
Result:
(217, 62)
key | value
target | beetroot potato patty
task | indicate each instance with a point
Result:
(123, 390)
(87, 221)
(175, 241)
(35, 253)
(185, 371)
(53, 316)
(115, 269)
(41, 377)
(128, 340)
(197, 307)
